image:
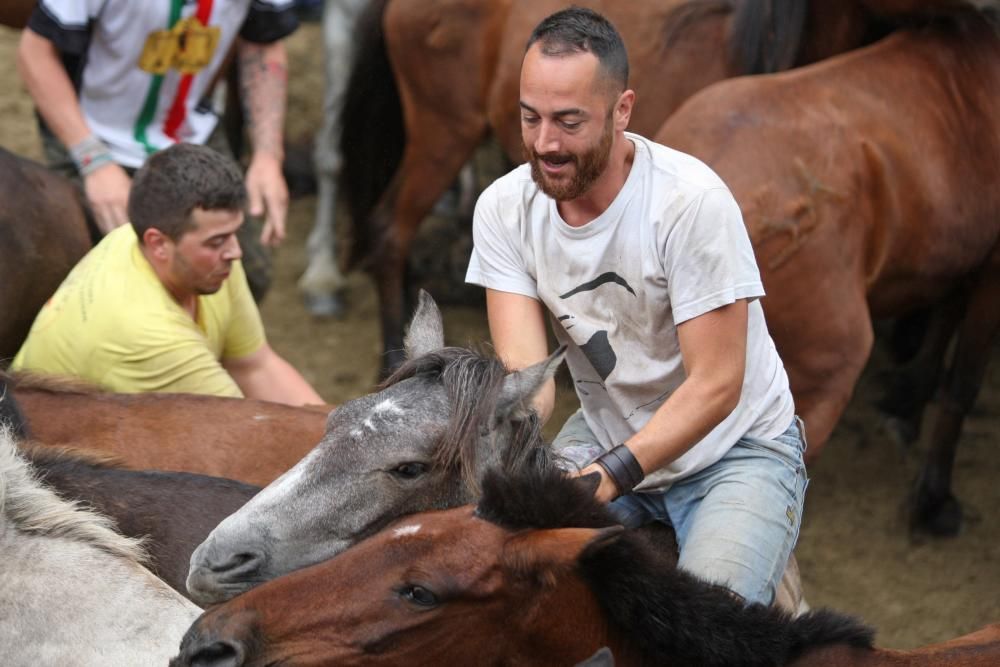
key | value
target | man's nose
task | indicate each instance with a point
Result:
(232, 251)
(549, 138)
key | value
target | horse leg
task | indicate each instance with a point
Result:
(824, 360)
(934, 508)
(431, 161)
(911, 385)
(322, 280)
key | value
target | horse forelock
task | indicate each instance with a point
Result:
(473, 381)
(34, 508)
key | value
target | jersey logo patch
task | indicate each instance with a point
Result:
(188, 47)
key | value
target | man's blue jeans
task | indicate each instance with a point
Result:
(736, 521)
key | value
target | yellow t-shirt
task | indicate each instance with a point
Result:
(112, 322)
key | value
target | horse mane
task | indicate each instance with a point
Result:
(35, 509)
(670, 616)
(50, 456)
(473, 381)
(766, 35)
(53, 384)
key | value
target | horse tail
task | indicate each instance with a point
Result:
(373, 132)
(766, 35)
(683, 16)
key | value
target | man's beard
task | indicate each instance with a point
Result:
(588, 167)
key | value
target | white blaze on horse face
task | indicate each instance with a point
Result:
(403, 531)
(385, 406)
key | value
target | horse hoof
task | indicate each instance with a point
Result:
(940, 519)
(325, 305)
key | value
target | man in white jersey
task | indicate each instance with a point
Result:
(117, 80)
(640, 257)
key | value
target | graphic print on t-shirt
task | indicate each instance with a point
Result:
(597, 348)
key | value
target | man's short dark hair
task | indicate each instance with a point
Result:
(179, 179)
(581, 30)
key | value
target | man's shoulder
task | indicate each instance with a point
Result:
(685, 172)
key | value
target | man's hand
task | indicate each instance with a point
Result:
(107, 191)
(268, 195)
(606, 491)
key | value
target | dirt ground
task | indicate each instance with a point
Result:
(854, 550)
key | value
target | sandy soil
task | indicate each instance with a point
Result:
(854, 551)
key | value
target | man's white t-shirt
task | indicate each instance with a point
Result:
(670, 247)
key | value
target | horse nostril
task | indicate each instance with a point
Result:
(239, 563)
(224, 653)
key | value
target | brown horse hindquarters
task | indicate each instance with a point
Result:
(43, 233)
(242, 439)
(861, 187)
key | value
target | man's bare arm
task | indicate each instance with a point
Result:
(713, 347)
(267, 376)
(264, 89)
(517, 327)
(49, 86)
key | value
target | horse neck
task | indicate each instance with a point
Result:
(105, 609)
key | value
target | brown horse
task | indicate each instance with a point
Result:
(536, 574)
(44, 230)
(868, 184)
(433, 79)
(15, 13)
(243, 439)
(172, 511)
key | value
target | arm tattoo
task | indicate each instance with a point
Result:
(263, 88)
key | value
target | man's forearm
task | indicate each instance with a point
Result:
(50, 88)
(264, 89)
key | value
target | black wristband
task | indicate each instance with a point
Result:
(622, 467)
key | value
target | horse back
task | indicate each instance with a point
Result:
(243, 439)
(875, 167)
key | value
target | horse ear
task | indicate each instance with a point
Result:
(519, 387)
(426, 331)
(541, 553)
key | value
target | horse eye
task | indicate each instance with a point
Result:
(409, 470)
(419, 595)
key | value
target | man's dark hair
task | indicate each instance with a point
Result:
(179, 179)
(581, 30)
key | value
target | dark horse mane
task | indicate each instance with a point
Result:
(670, 617)
(473, 381)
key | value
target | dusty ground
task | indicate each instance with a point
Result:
(854, 551)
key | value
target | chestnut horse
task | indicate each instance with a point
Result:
(433, 79)
(15, 13)
(536, 574)
(237, 438)
(868, 184)
(45, 228)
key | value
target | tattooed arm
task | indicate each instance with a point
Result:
(263, 87)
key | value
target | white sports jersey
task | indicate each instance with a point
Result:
(670, 247)
(147, 64)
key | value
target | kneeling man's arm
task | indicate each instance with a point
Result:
(267, 376)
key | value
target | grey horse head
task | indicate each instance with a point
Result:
(421, 442)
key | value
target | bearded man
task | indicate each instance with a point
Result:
(640, 257)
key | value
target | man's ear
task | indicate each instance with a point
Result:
(623, 109)
(157, 243)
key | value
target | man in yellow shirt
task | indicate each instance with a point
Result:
(163, 304)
